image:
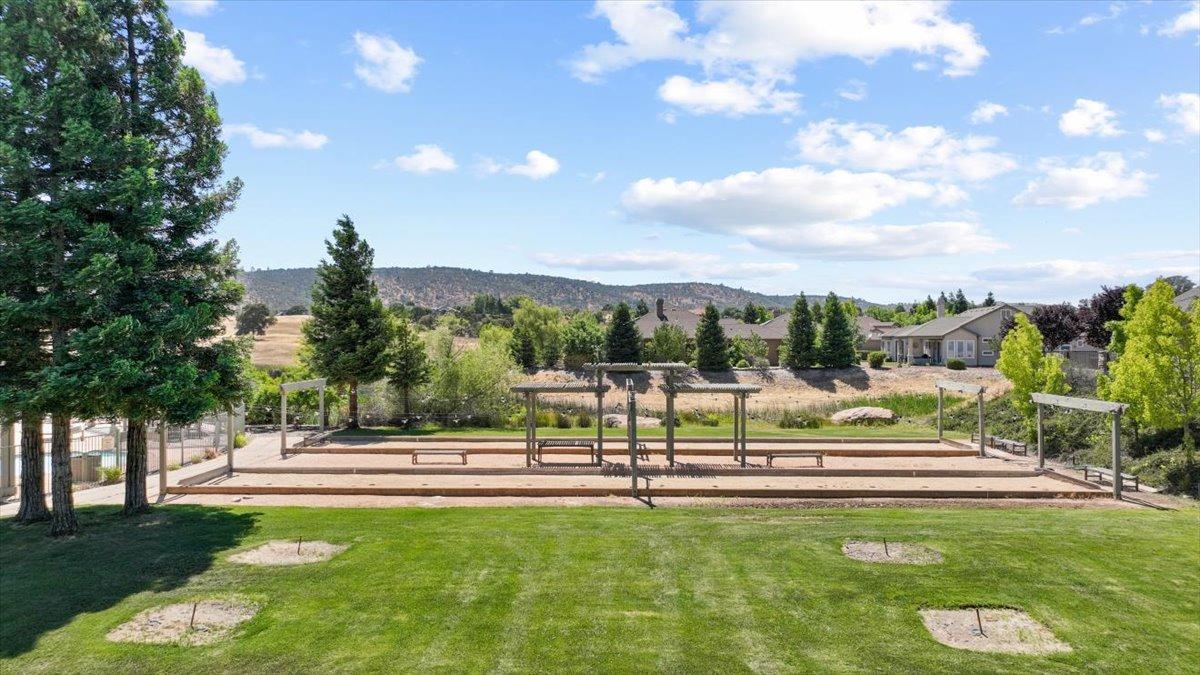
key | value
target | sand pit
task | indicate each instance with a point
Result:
(186, 623)
(895, 552)
(1004, 630)
(288, 553)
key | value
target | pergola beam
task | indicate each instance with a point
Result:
(1089, 405)
(1077, 403)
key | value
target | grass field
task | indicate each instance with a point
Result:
(755, 429)
(606, 590)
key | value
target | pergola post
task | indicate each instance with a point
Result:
(599, 419)
(979, 398)
(939, 413)
(670, 422)
(631, 426)
(745, 419)
(530, 429)
(8, 459)
(1040, 440)
(162, 460)
(320, 408)
(1116, 450)
(230, 439)
(736, 423)
(282, 421)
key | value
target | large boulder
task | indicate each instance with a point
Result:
(863, 415)
(618, 421)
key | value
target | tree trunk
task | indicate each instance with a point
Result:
(63, 521)
(407, 406)
(352, 422)
(33, 472)
(135, 469)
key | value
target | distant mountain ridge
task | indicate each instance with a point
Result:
(445, 287)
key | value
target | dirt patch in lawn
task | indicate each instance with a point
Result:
(185, 623)
(894, 552)
(282, 552)
(1009, 631)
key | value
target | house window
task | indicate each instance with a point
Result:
(960, 349)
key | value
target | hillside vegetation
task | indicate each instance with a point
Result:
(446, 287)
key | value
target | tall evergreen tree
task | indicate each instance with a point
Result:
(960, 302)
(158, 286)
(409, 366)
(837, 336)
(641, 309)
(522, 347)
(349, 332)
(712, 353)
(990, 300)
(622, 342)
(802, 336)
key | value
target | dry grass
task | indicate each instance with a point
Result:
(280, 346)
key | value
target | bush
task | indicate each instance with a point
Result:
(583, 420)
(110, 474)
(562, 421)
(956, 364)
(876, 359)
(799, 419)
(211, 453)
(173, 466)
(544, 418)
(710, 420)
(193, 459)
(1168, 470)
(742, 363)
(239, 440)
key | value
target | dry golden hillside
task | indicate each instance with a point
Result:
(280, 346)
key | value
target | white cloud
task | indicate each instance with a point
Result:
(1102, 177)
(1154, 135)
(921, 152)
(769, 39)
(854, 90)
(987, 111)
(599, 177)
(279, 138)
(194, 7)
(218, 65)
(1114, 10)
(801, 210)
(701, 265)
(1089, 118)
(426, 158)
(1187, 22)
(385, 64)
(1183, 109)
(1132, 268)
(537, 165)
(727, 97)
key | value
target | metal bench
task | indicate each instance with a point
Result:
(566, 443)
(819, 456)
(417, 453)
(643, 452)
(1101, 472)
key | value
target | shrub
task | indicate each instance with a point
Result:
(583, 420)
(195, 458)
(710, 420)
(173, 466)
(799, 419)
(110, 474)
(239, 440)
(544, 418)
(562, 421)
(742, 363)
(211, 453)
(956, 364)
(1169, 470)
(876, 359)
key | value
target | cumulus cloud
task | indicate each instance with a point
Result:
(701, 265)
(1089, 118)
(426, 158)
(385, 65)
(218, 65)
(1154, 135)
(921, 152)
(1104, 176)
(1057, 274)
(194, 7)
(1188, 22)
(854, 90)
(802, 210)
(1183, 109)
(537, 165)
(986, 112)
(279, 138)
(727, 97)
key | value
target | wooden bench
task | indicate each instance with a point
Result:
(643, 452)
(1101, 472)
(417, 453)
(1005, 444)
(819, 456)
(566, 443)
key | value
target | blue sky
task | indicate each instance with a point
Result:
(886, 151)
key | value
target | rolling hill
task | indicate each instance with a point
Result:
(445, 287)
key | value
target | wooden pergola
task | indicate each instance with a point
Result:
(964, 388)
(530, 391)
(739, 391)
(288, 387)
(1090, 405)
(669, 370)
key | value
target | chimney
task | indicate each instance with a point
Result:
(658, 309)
(941, 306)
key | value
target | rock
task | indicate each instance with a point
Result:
(863, 415)
(617, 421)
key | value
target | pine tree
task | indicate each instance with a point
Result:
(802, 336)
(990, 300)
(837, 336)
(409, 367)
(522, 347)
(158, 287)
(712, 353)
(960, 303)
(622, 342)
(349, 333)
(641, 309)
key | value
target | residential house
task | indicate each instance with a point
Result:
(971, 336)
(1185, 299)
(772, 332)
(872, 330)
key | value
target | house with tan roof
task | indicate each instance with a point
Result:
(772, 332)
(971, 336)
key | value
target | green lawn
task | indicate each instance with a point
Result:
(606, 590)
(759, 429)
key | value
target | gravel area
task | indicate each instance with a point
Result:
(280, 553)
(892, 552)
(186, 623)
(1004, 630)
